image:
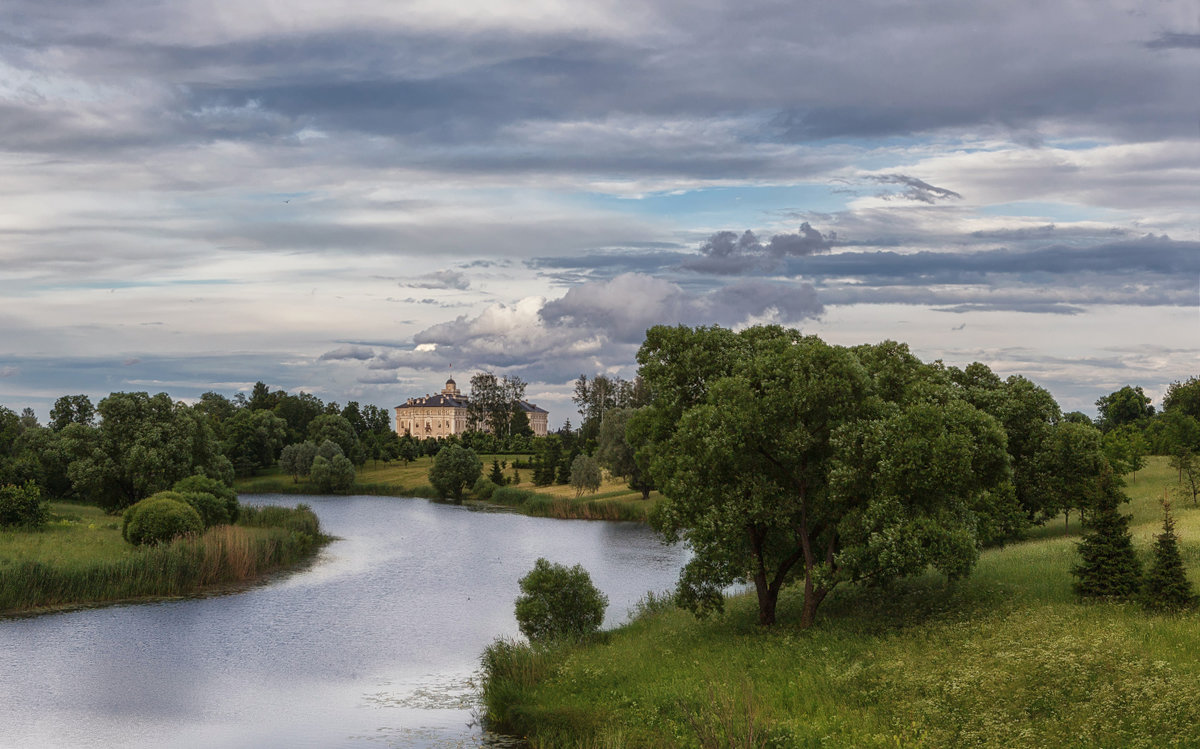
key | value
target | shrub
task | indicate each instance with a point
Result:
(223, 492)
(558, 603)
(483, 488)
(454, 469)
(23, 505)
(158, 519)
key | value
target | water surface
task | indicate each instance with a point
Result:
(375, 644)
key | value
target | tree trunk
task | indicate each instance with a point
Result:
(812, 599)
(645, 493)
(767, 598)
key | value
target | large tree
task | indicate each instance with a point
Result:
(784, 458)
(1129, 405)
(615, 452)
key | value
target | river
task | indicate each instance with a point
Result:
(376, 643)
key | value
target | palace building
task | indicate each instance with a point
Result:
(445, 413)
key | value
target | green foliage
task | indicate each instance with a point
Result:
(143, 445)
(72, 409)
(1108, 566)
(558, 603)
(296, 459)
(337, 429)
(585, 474)
(222, 492)
(454, 469)
(1129, 405)
(1126, 449)
(1183, 398)
(22, 506)
(783, 458)
(298, 519)
(159, 519)
(497, 474)
(333, 475)
(616, 452)
(252, 439)
(484, 488)
(1166, 586)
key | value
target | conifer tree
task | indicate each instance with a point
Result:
(1108, 566)
(1167, 586)
(497, 475)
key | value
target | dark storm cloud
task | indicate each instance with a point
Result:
(482, 100)
(916, 189)
(728, 253)
(357, 353)
(441, 279)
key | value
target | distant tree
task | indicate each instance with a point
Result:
(1069, 467)
(144, 444)
(298, 411)
(1188, 465)
(546, 459)
(1108, 566)
(409, 449)
(558, 603)
(261, 397)
(497, 475)
(1126, 449)
(563, 474)
(334, 474)
(519, 426)
(614, 451)
(1183, 398)
(1166, 586)
(585, 474)
(252, 440)
(516, 477)
(454, 469)
(1129, 405)
(336, 428)
(72, 409)
(297, 459)
(1078, 417)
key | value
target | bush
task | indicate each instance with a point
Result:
(454, 469)
(558, 603)
(223, 492)
(484, 487)
(23, 505)
(158, 519)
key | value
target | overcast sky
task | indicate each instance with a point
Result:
(352, 198)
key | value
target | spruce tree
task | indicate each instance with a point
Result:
(497, 475)
(1167, 586)
(1108, 566)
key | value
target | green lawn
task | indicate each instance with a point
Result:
(1006, 658)
(75, 533)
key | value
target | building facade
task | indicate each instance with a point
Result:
(446, 413)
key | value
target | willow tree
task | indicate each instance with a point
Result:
(784, 459)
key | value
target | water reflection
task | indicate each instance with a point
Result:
(375, 644)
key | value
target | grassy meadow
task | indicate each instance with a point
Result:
(613, 501)
(80, 558)
(1005, 658)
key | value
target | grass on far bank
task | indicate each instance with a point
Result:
(1005, 658)
(613, 501)
(80, 558)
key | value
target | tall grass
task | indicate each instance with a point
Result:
(266, 539)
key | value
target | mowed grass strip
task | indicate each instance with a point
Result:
(1005, 658)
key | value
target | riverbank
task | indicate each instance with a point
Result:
(614, 500)
(79, 558)
(1007, 657)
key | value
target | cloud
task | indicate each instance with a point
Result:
(918, 190)
(9, 371)
(442, 279)
(594, 324)
(358, 353)
(728, 253)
